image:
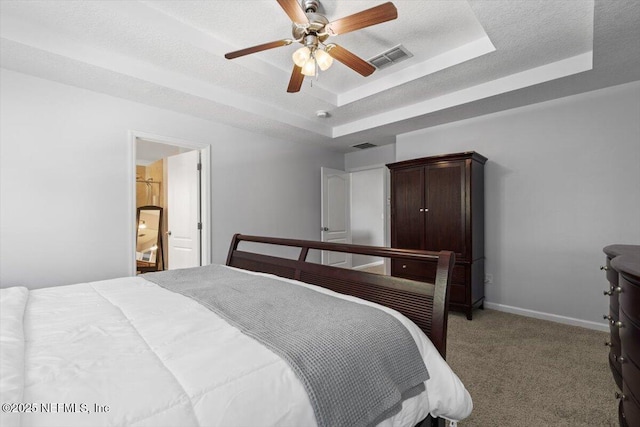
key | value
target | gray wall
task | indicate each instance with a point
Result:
(66, 181)
(377, 156)
(562, 181)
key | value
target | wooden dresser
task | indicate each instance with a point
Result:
(437, 203)
(623, 273)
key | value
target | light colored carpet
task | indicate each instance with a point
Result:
(528, 372)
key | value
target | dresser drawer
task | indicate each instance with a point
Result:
(629, 338)
(614, 304)
(614, 339)
(629, 299)
(616, 370)
(614, 332)
(612, 275)
(630, 352)
(631, 379)
(631, 407)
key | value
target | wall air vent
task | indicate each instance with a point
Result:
(392, 56)
(364, 145)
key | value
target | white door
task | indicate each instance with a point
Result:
(336, 214)
(183, 210)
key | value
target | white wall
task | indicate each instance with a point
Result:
(66, 181)
(367, 212)
(562, 181)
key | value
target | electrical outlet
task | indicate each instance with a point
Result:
(488, 278)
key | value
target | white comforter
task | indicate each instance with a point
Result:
(128, 352)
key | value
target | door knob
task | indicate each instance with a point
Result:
(325, 228)
(169, 233)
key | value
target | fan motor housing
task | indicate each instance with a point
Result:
(316, 25)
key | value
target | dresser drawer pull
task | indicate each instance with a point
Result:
(610, 292)
(404, 265)
(619, 359)
(608, 344)
(607, 317)
(620, 396)
(604, 267)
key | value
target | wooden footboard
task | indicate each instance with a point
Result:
(424, 303)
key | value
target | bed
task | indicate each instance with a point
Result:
(152, 350)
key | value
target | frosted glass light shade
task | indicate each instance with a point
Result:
(301, 56)
(324, 59)
(309, 68)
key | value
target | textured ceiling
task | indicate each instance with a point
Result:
(469, 58)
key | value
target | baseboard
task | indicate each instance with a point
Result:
(604, 327)
(372, 264)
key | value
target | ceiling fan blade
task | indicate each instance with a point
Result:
(352, 61)
(295, 83)
(375, 15)
(294, 10)
(258, 48)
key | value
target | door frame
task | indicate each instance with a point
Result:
(205, 191)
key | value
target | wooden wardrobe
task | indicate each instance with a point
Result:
(437, 203)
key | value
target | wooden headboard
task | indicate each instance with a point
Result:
(424, 303)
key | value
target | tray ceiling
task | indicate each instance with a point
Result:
(469, 58)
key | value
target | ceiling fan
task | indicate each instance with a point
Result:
(311, 29)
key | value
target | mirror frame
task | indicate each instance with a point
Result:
(159, 262)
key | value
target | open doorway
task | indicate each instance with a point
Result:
(171, 182)
(369, 216)
(355, 209)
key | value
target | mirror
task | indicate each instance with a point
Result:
(149, 255)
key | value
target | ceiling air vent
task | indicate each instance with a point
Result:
(364, 145)
(390, 57)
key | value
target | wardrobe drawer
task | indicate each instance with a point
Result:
(426, 271)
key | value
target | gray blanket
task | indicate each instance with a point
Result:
(356, 362)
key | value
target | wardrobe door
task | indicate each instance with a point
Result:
(407, 208)
(445, 199)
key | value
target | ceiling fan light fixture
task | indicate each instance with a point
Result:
(311, 28)
(324, 59)
(301, 56)
(309, 68)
